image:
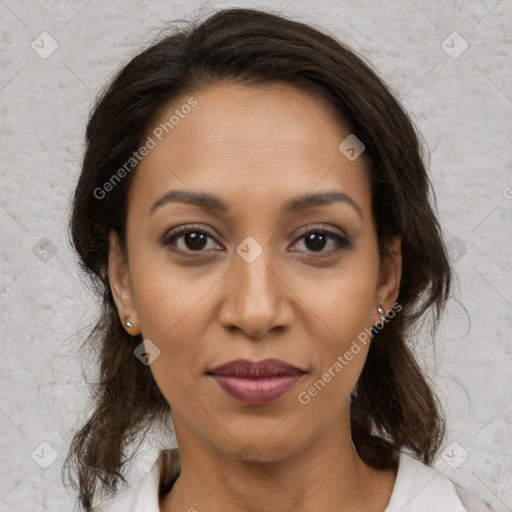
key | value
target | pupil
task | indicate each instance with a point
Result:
(317, 241)
(197, 240)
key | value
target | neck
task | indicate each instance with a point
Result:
(325, 475)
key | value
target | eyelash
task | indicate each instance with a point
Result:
(170, 237)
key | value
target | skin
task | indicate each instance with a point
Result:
(256, 148)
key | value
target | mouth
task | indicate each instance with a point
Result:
(256, 383)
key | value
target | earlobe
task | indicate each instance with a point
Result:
(390, 275)
(119, 278)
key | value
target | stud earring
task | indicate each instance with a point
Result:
(128, 323)
(382, 313)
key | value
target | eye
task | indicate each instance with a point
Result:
(317, 238)
(193, 239)
(189, 239)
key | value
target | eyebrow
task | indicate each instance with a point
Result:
(211, 202)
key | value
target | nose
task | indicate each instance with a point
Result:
(256, 298)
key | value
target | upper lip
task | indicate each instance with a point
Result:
(256, 369)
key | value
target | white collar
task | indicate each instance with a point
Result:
(419, 487)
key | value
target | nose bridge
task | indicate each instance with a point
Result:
(255, 300)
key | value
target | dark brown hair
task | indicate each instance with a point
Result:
(394, 408)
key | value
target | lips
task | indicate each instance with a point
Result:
(256, 383)
(256, 369)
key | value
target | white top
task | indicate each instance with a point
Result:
(418, 488)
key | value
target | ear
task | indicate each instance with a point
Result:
(120, 284)
(389, 276)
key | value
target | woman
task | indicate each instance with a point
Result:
(254, 211)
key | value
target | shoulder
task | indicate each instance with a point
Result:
(421, 488)
(144, 495)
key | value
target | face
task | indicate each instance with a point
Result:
(279, 261)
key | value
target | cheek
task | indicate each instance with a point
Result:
(173, 311)
(167, 301)
(343, 305)
(172, 305)
(344, 299)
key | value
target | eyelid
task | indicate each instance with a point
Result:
(320, 227)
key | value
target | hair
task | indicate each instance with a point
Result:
(395, 408)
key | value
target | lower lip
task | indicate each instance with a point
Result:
(256, 391)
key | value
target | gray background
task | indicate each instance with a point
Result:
(461, 103)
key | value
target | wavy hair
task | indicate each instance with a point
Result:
(395, 407)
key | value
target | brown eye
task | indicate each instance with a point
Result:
(188, 239)
(195, 241)
(316, 240)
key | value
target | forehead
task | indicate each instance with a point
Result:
(276, 140)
